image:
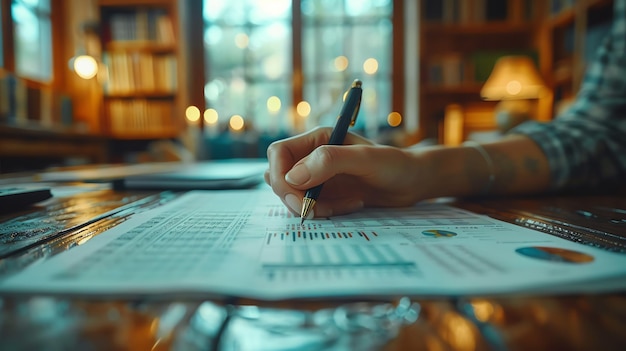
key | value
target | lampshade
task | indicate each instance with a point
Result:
(513, 78)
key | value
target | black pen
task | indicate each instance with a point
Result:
(347, 118)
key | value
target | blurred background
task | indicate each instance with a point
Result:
(123, 81)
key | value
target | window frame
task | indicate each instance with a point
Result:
(57, 44)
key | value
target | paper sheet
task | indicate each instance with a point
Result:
(245, 243)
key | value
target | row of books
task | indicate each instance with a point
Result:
(140, 72)
(475, 11)
(21, 104)
(140, 116)
(449, 70)
(144, 24)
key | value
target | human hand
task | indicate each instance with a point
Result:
(357, 174)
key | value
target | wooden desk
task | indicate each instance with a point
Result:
(557, 322)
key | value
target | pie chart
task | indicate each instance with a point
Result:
(438, 233)
(555, 254)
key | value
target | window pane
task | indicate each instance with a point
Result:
(270, 52)
(223, 53)
(248, 60)
(318, 9)
(321, 45)
(352, 41)
(33, 41)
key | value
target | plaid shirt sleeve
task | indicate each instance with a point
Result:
(586, 145)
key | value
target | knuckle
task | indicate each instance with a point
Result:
(322, 134)
(322, 129)
(272, 148)
(326, 156)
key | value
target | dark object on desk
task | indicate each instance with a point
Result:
(16, 198)
(207, 175)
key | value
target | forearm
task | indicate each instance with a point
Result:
(518, 166)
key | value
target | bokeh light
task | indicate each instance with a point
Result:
(192, 113)
(394, 119)
(370, 66)
(273, 104)
(236, 123)
(341, 63)
(211, 116)
(303, 109)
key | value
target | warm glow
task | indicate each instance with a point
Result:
(394, 119)
(210, 116)
(236, 123)
(84, 239)
(192, 114)
(370, 66)
(341, 63)
(85, 66)
(513, 87)
(513, 78)
(483, 310)
(273, 104)
(453, 125)
(242, 40)
(303, 108)
(486, 311)
(459, 332)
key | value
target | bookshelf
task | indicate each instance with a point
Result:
(569, 37)
(141, 98)
(460, 40)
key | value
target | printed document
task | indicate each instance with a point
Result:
(246, 243)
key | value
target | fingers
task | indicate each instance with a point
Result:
(266, 177)
(327, 161)
(284, 154)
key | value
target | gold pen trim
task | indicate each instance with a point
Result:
(307, 205)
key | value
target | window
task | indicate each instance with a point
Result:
(251, 55)
(32, 39)
(248, 53)
(343, 40)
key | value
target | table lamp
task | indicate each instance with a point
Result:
(514, 81)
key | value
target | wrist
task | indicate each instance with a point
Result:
(450, 172)
(427, 171)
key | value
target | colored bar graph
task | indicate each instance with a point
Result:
(295, 236)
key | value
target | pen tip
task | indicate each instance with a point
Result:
(357, 83)
(301, 220)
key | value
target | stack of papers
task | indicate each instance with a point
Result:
(245, 243)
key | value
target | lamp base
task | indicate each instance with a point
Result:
(510, 113)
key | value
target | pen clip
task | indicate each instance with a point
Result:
(355, 114)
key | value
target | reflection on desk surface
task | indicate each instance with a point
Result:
(593, 322)
(64, 215)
